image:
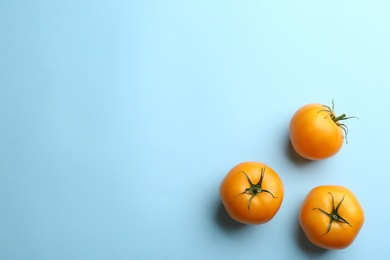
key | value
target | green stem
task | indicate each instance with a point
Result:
(341, 117)
(334, 214)
(255, 189)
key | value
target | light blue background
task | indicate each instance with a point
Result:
(119, 120)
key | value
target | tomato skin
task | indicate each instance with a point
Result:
(263, 206)
(315, 223)
(313, 133)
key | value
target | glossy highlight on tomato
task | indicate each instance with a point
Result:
(252, 193)
(316, 133)
(331, 216)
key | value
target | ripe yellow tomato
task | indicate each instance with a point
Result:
(251, 193)
(316, 132)
(331, 217)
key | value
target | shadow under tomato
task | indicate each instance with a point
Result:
(225, 222)
(305, 245)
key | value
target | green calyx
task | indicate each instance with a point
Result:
(334, 216)
(255, 189)
(337, 119)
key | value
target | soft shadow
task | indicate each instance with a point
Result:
(306, 246)
(225, 222)
(293, 156)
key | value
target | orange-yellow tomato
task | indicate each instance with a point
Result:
(251, 193)
(331, 217)
(316, 133)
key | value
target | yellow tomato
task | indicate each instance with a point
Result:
(316, 132)
(252, 193)
(331, 217)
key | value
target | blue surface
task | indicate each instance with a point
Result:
(119, 120)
